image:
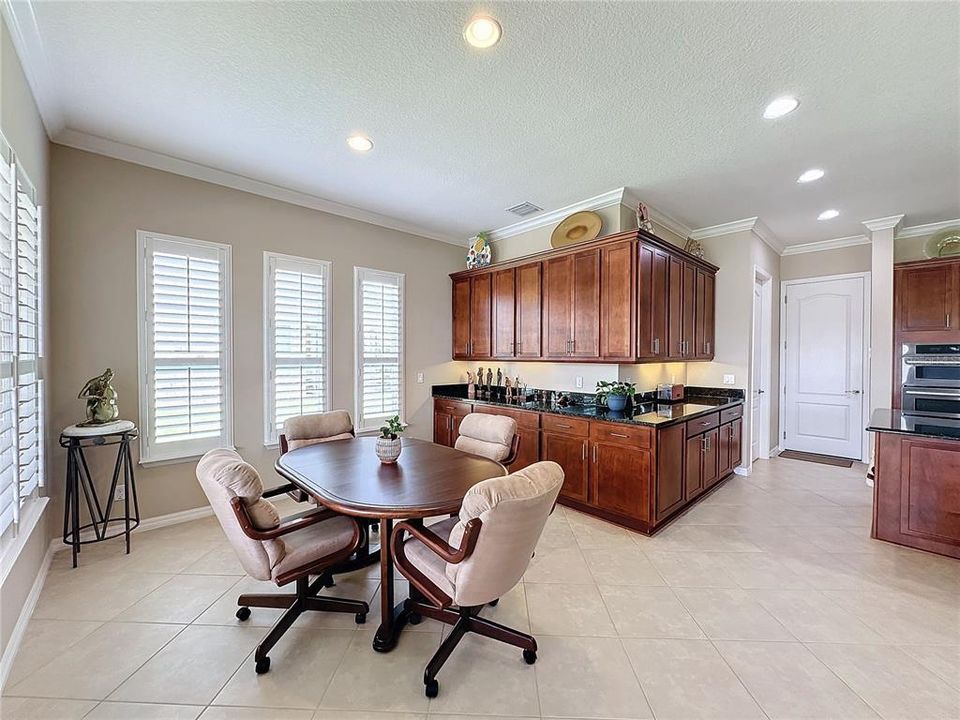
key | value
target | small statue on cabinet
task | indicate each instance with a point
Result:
(694, 247)
(643, 218)
(101, 399)
(471, 386)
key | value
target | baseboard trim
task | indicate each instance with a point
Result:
(26, 612)
(174, 518)
(741, 471)
(774, 451)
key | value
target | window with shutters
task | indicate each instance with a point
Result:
(297, 346)
(21, 377)
(379, 353)
(186, 400)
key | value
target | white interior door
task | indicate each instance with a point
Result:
(757, 386)
(823, 367)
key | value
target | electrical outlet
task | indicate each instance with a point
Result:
(579, 381)
(420, 378)
(729, 379)
(121, 494)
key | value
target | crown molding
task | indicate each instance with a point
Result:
(619, 196)
(752, 224)
(834, 244)
(186, 168)
(22, 24)
(890, 222)
(928, 229)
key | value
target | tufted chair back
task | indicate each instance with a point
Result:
(488, 435)
(304, 430)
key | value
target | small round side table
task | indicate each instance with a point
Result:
(75, 438)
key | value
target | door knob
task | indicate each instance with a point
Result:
(853, 392)
(760, 392)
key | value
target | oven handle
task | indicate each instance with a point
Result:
(924, 361)
(939, 393)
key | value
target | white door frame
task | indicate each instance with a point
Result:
(865, 384)
(766, 328)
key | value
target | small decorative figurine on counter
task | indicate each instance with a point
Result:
(499, 377)
(489, 378)
(101, 400)
(471, 386)
(509, 387)
(480, 381)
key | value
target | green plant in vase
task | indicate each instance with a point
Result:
(615, 395)
(388, 444)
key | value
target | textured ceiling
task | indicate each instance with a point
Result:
(577, 99)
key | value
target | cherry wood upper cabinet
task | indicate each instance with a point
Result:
(704, 320)
(504, 313)
(585, 338)
(481, 311)
(688, 325)
(528, 326)
(675, 335)
(461, 318)
(557, 307)
(617, 306)
(927, 296)
(652, 274)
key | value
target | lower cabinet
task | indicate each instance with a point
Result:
(731, 446)
(528, 428)
(570, 453)
(620, 470)
(671, 443)
(447, 415)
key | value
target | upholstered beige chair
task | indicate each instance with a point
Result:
(309, 543)
(304, 430)
(471, 560)
(492, 436)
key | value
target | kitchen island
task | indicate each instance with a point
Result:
(638, 468)
(916, 495)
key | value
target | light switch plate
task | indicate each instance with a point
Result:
(579, 381)
(729, 379)
(420, 378)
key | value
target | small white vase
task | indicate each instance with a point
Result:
(388, 450)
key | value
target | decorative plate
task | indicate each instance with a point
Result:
(944, 244)
(577, 228)
(479, 255)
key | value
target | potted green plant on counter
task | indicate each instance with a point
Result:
(388, 444)
(615, 395)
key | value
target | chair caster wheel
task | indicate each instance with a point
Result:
(243, 613)
(431, 689)
(494, 603)
(263, 665)
(415, 618)
(360, 618)
(530, 656)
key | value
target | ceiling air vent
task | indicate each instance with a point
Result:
(524, 209)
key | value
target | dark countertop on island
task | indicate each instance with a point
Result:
(648, 412)
(885, 420)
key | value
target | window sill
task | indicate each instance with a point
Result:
(11, 549)
(176, 460)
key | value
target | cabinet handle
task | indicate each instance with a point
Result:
(620, 435)
(948, 319)
(583, 451)
(594, 454)
(656, 346)
(564, 426)
(707, 350)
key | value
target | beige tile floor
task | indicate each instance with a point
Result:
(766, 600)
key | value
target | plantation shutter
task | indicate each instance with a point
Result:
(28, 333)
(379, 346)
(297, 362)
(9, 507)
(186, 349)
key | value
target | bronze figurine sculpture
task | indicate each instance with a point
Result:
(101, 399)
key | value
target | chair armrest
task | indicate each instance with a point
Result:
(297, 522)
(284, 448)
(514, 451)
(439, 546)
(281, 490)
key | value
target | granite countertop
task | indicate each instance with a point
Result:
(894, 421)
(648, 412)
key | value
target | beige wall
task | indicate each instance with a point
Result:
(538, 239)
(21, 126)
(839, 261)
(99, 204)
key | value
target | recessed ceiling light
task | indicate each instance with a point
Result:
(360, 143)
(780, 107)
(810, 175)
(828, 215)
(482, 31)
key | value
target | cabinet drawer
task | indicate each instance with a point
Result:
(731, 414)
(451, 407)
(702, 424)
(633, 436)
(570, 426)
(525, 418)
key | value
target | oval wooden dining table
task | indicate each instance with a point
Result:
(427, 480)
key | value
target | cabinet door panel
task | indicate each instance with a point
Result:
(441, 429)
(675, 308)
(926, 298)
(461, 318)
(704, 320)
(481, 311)
(557, 306)
(711, 458)
(689, 309)
(528, 451)
(671, 447)
(586, 305)
(570, 453)
(617, 302)
(652, 274)
(694, 467)
(528, 311)
(620, 480)
(724, 450)
(736, 444)
(504, 313)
